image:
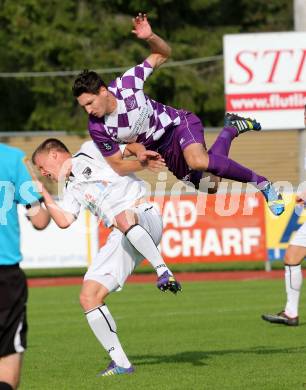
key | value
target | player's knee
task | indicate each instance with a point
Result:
(88, 300)
(198, 163)
(290, 259)
(83, 301)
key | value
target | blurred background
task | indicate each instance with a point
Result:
(69, 35)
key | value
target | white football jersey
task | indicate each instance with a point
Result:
(94, 185)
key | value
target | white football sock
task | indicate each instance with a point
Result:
(104, 327)
(293, 281)
(143, 242)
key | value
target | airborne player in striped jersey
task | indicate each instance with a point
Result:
(123, 113)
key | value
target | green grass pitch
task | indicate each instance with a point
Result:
(208, 337)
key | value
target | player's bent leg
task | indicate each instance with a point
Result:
(124, 220)
(196, 157)
(92, 294)
(10, 370)
(221, 166)
(293, 282)
(151, 221)
(295, 254)
(199, 159)
(141, 239)
(104, 327)
(216, 160)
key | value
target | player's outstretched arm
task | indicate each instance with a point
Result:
(149, 159)
(36, 214)
(39, 216)
(121, 166)
(133, 149)
(62, 218)
(160, 50)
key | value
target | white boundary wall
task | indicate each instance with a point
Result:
(59, 248)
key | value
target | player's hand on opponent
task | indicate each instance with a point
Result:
(155, 165)
(141, 27)
(151, 160)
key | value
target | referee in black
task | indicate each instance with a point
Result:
(16, 187)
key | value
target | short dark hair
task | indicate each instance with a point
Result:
(49, 144)
(87, 82)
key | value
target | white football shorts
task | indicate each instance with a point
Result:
(117, 259)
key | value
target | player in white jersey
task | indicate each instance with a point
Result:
(295, 254)
(119, 201)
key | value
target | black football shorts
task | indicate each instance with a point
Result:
(13, 299)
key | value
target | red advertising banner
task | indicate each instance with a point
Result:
(265, 101)
(214, 228)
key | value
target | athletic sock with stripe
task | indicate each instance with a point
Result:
(143, 242)
(104, 327)
(293, 282)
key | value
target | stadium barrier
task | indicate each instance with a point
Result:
(210, 228)
(214, 228)
(59, 248)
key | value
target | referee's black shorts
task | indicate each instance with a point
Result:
(13, 320)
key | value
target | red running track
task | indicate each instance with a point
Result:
(183, 276)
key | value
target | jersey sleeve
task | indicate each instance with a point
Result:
(70, 204)
(105, 144)
(135, 77)
(108, 147)
(26, 192)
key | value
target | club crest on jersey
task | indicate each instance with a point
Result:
(130, 102)
(87, 172)
(107, 146)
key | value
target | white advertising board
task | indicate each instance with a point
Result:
(265, 77)
(59, 248)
